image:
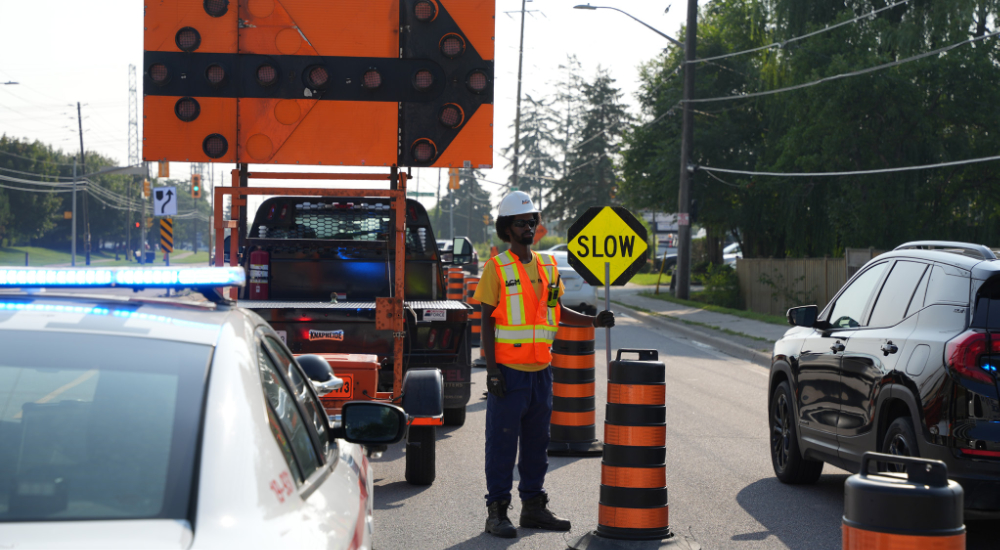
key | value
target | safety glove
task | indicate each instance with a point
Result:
(495, 382)
(604, 319)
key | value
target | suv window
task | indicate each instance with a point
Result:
(944, 287)
(917, 302)
(851, 304)
(283, 405)
(896, 293)
(315, 413)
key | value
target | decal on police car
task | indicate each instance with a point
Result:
(337, 335)
(286, 487)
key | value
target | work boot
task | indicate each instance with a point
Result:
(536, 514)
(498, 524)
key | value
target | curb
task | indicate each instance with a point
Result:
(725, 346)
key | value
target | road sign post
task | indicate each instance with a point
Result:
(607, 246)
(167, 237)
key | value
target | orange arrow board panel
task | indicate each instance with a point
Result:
(342, 82)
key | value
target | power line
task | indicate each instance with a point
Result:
(783, 43)
(853, 173)
(846, 75)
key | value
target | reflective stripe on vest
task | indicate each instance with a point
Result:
(524, 334)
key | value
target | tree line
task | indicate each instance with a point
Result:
(35, 199)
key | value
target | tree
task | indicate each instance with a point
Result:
(538, 146)
(467, 206)
(591, 179)
(937, 109)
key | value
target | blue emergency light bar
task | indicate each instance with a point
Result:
(158, 277)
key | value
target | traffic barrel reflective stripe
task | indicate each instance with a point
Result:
(475, 318)
(573, 426)
(918, 510)
(633, 503)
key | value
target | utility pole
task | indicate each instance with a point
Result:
(683, 272)
(517, 116)
(134, 157)
(83, 168)
(73, 252)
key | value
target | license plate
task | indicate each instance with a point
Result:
(283, 335)
(346, 391)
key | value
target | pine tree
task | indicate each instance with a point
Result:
(539, 144)
(470, 203)
(591, 178)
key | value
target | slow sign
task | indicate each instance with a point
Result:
(607, 235)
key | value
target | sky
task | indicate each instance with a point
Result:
(61, 52)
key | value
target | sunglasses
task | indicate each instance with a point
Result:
(521, 224)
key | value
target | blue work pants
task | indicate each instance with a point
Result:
(521, 416)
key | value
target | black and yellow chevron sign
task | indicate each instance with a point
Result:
(167, 234)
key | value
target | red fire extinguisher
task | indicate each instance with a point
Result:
(259, 274)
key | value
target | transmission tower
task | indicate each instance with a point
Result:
(133, 119)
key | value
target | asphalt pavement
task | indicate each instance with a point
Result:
(722, 490)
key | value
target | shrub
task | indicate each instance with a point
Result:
(722, 287)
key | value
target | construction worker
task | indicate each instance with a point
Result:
(519, 291)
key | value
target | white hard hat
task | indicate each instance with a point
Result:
(516, 203)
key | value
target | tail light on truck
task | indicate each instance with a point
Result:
(260, 267)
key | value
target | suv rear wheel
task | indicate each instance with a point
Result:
(900, 440)
(789, 465)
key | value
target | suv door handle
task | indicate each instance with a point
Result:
(838, 347)
(888, 348)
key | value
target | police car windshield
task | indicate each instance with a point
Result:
(97, 427)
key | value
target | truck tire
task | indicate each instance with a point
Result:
(420, 455)
(454, 417)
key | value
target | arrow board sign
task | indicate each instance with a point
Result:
(611, 235)
(165, 201)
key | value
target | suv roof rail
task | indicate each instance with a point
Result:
(967, 249)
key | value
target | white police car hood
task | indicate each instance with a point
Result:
(148, 534)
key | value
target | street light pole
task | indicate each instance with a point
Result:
(517, 115)
(683, 271)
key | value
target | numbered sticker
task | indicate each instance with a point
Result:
(283, 335)
(346, 391)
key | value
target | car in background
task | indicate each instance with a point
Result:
(135, 422)
(730, 253)
(562, 247)
(446, 250)
(579, 295)
(902, 361)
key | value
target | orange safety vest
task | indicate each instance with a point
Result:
(525, 324)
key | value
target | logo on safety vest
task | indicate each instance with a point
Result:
(337, 335)
(512, 282)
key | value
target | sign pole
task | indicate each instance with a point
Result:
(607, 306)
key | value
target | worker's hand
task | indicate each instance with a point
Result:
(495, 382)
(604, 319)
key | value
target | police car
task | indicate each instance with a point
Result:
(132, 422)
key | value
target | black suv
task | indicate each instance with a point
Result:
(902, 361)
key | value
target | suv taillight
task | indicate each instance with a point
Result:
(968, 354)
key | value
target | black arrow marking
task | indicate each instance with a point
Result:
(163, 207)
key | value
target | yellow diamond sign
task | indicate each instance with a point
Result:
(607, 237)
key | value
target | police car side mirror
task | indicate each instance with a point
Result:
(371, 423)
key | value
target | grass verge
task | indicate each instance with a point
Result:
(650, 279)
(763, 317)
(695, 323)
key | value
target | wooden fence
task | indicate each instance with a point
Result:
(771, 286)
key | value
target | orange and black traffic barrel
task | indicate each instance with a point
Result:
(920, 509)
(476, 317)
(633, 502)
(456, 288)
(573, 426)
